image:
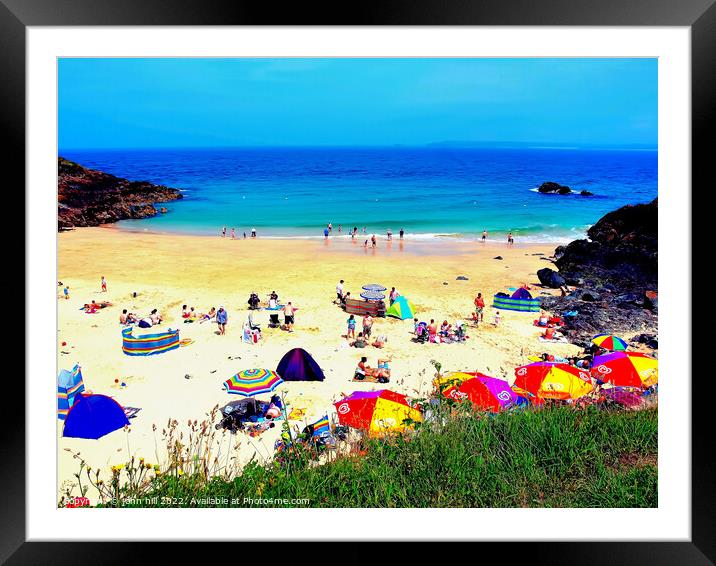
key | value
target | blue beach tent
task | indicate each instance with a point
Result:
(93, 416)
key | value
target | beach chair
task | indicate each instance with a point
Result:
(274, 321)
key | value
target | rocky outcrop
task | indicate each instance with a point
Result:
(552, 188)
(615, 273)
(86, 197)
(550, 278)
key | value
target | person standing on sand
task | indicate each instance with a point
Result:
(479, 308)
(339, 291)
(367, 325)
(351, 327)
(66, 291)
(484, 236)
(222, 318)
(393, 295)
(288, 316)
(104, 284)
(497, 319)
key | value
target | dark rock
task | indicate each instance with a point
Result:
(585, 295)
(586, 194)
(498, 257)
(550, 278)
(651, 340)
(551, 188)
(462, 278)
(86, 197)
(622, 251)
(537, 254)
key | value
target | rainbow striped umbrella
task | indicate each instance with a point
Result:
(547, 380)
(626, 369)
(610, 342)
(253, 382)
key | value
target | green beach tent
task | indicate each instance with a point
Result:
(402, 308)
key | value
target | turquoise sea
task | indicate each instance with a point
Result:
(431, 192)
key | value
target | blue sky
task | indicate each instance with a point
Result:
(155, 103)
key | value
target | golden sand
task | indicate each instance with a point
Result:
(167, 271)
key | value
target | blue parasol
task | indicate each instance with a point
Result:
(373, 287)
(372, 296)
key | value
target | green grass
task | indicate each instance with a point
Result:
(559, 457)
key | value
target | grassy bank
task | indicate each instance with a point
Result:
(559, 457)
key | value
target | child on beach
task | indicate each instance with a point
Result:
(66, 292)
(351, 327)
(104, 284)
(497, 319)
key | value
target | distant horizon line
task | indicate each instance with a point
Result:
(430, 145)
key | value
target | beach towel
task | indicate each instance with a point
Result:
(296, 414)
(561, 340)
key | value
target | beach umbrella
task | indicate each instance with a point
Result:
(253, 382)
(552, 381)
(372, 295)
(377, 412)
(626, 369)
(486, 393)
(373, 287)
(610, 342)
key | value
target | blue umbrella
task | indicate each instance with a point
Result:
(372, 296)
(373, 287)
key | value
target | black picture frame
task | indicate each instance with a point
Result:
(699, 15)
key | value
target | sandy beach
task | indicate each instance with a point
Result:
(167, 271)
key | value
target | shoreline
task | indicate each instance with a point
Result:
(437, 245)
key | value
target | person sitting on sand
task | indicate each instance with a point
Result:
(432, 330)
(156, 317)
(208, 316)
(362, 370)
(184, 311)
(543, 319)
(359, 342)
(192, 316)
(383, 368)
(145, 322)
(445, 329)
(345, 298)
(124, 317)
(380, 341)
